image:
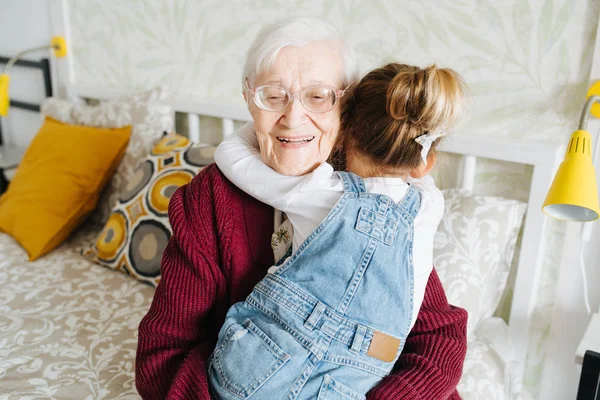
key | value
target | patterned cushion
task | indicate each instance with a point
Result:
(138, 229)
(149, 113)
(473, 250)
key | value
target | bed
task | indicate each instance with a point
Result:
(68, 326)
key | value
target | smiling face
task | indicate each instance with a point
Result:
(295, 141)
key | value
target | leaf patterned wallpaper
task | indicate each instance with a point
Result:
(526, 63)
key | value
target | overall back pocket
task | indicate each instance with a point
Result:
(246, 359)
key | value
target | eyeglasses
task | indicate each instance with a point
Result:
(316, 98)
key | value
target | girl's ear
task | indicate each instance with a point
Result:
(423, 169)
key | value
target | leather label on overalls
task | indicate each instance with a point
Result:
(383, 347)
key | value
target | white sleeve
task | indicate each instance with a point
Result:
(239, 159)
(425, 225)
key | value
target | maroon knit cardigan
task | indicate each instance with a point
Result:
(219, 250)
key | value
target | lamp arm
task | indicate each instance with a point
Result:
(586, 111)
(21, 54)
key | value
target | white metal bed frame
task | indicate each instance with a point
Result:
(544, 158)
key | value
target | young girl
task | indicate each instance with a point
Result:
(331, 319)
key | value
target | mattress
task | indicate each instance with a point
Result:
(68, 330)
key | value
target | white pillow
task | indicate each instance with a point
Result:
(473, 250)
(150, 114)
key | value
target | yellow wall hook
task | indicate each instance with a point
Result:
(59, 44)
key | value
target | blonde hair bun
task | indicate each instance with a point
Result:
(396, 103)
(425, 97)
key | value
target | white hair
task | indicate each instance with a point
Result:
(297, 32)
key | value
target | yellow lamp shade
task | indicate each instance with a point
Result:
(4, 99)
(573, 195)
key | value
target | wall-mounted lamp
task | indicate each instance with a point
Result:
(573, 195)
(58, 45)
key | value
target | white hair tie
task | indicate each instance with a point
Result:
(428, 138)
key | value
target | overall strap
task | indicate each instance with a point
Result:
(352, 182)
(412, 201)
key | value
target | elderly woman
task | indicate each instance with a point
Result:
(221, 237)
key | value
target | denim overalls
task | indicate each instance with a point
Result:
(332, 320)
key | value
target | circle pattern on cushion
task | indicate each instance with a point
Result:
(199, 155)
(169, 143)
(138, 229)
(140, 178)
(148, 241)
(163, 188)
(113, 237)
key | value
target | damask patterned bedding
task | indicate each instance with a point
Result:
(68, 330)
(68, 327)
(488, 372)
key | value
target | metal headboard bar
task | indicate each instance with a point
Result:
(44, 66)
(544, 158)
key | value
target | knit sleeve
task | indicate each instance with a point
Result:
(174, 340)
(431, 363)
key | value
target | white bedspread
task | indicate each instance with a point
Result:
(488, 372)
(68, 328)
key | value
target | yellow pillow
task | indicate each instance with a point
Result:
(58, 183)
